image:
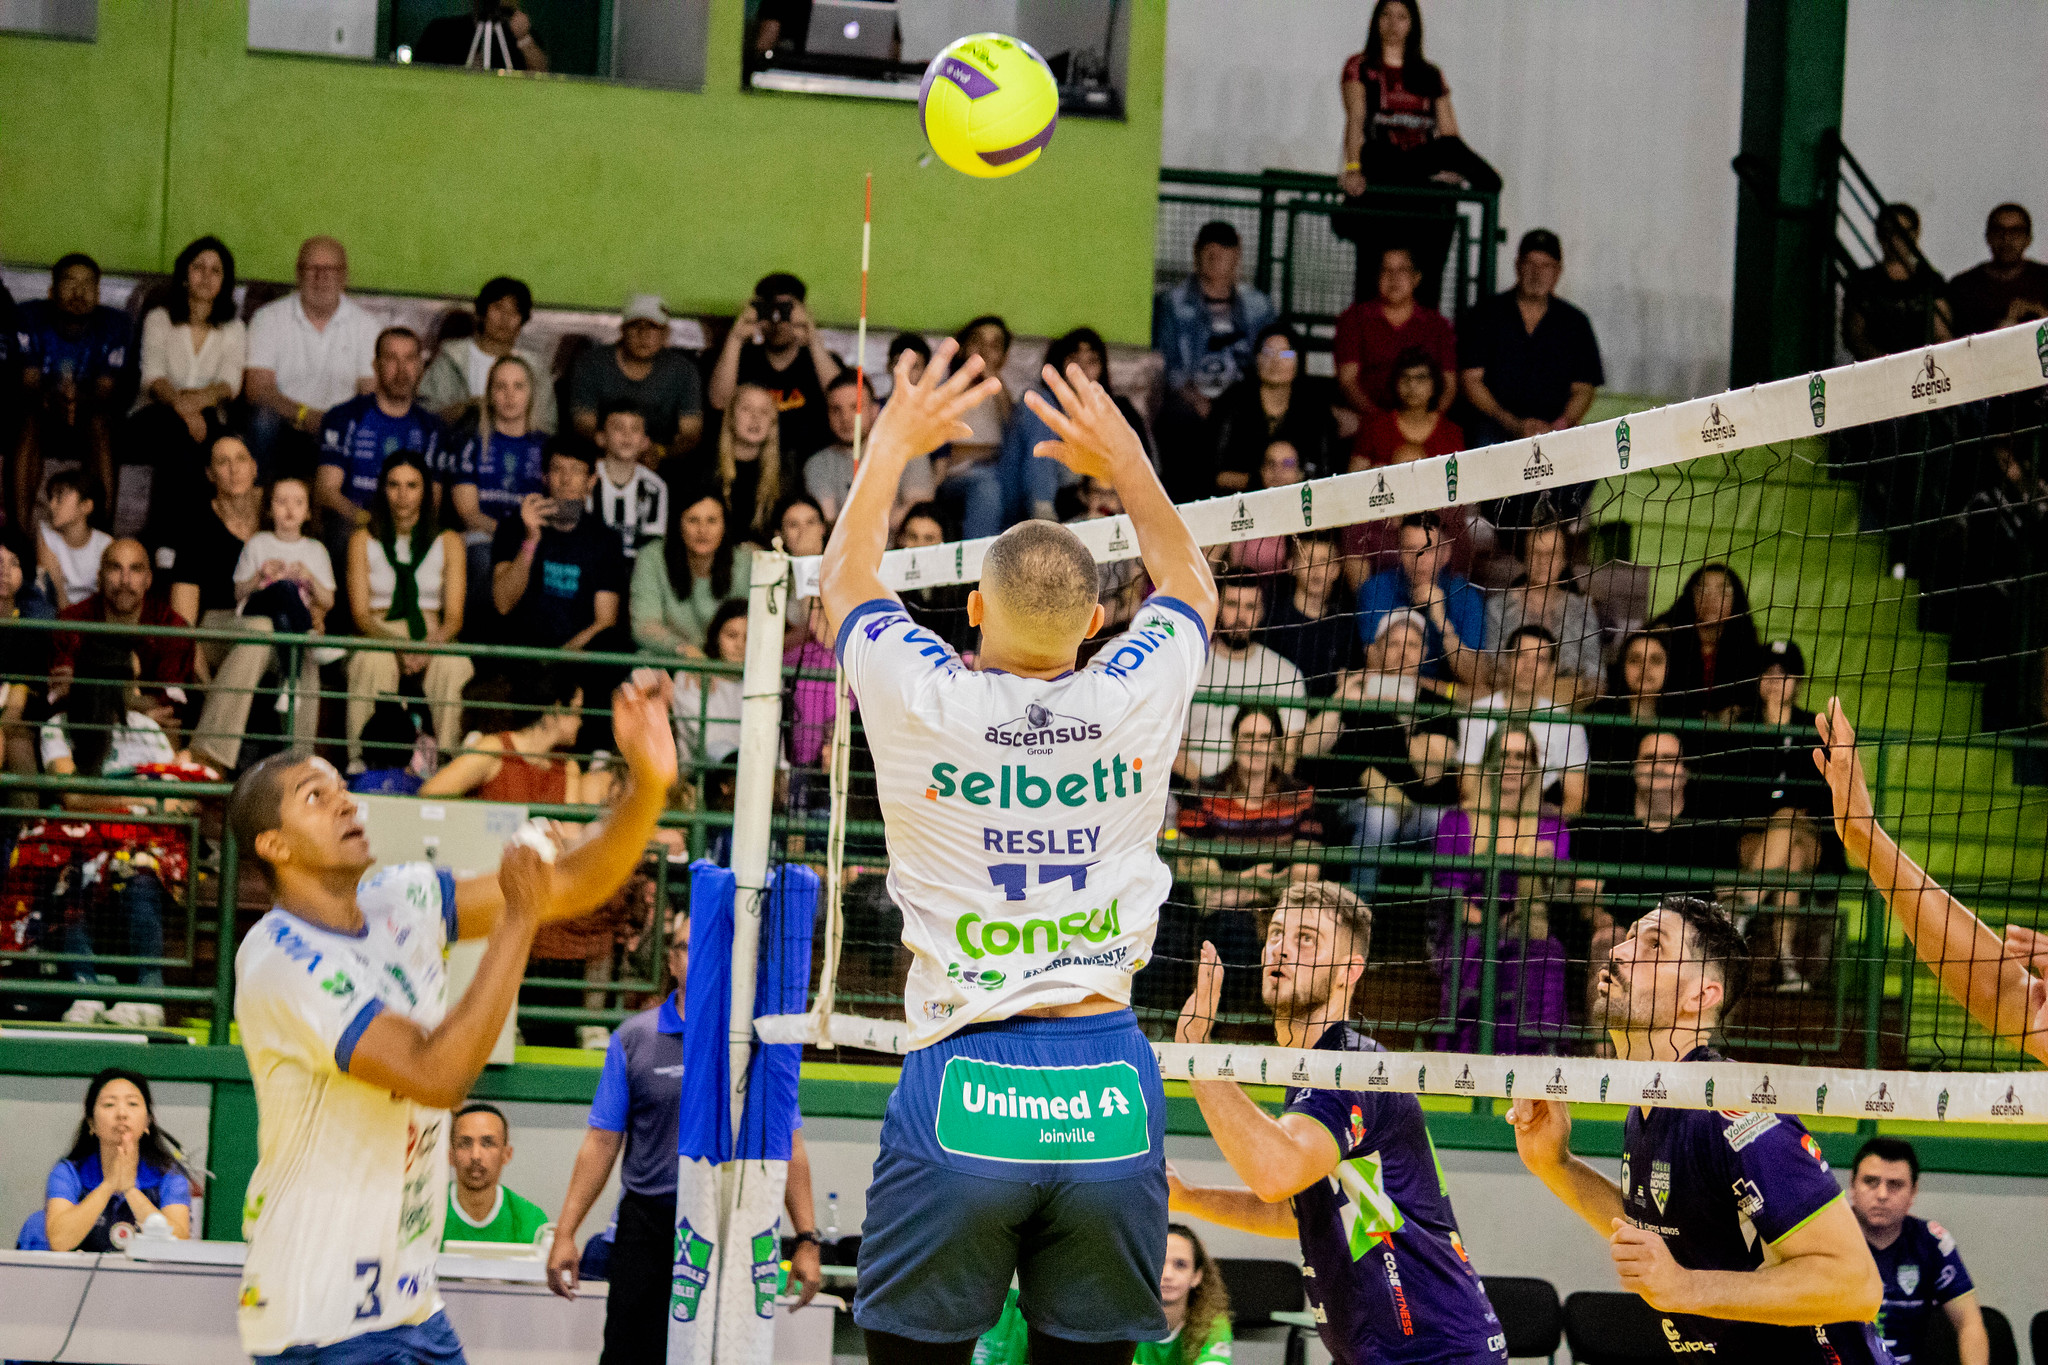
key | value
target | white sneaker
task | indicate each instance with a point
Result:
(137, 1014)
(85, 1011)
(593, 1037)
(329, 654)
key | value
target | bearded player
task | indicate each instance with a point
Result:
(357, 1056)
(1022, 800)
(1728, 1224)
(1352, 1172)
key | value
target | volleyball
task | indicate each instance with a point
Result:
(989, 104)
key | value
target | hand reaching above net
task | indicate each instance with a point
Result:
(1096, 441)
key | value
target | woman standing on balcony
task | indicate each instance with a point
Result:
(1400, 129)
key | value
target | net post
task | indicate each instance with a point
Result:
(754, 799)
(838, 773)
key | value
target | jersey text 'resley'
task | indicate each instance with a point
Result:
(344, 1211)
(1022, 813)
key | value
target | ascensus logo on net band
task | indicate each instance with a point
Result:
(1016, 785)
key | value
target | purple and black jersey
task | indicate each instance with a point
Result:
(1921, 1272)
(1386, 1272)
(1721, 1188)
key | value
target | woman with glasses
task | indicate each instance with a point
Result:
(1279, 401)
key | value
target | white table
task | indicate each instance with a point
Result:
(153, 1312)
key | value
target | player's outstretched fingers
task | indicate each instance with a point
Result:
(2028, 947)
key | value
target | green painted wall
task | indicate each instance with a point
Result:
(168, 127)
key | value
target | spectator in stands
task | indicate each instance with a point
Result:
(750, 461)
(1378, 337)
(69, 545)
(917, 346)
(1711, 641)
(1279, 467)
(828, 475)
(76, 366)
(480, 1207)
(802, 525)
(1897, 304)
(1916, 1259)
(1414, 427)
(124, 598)
(454, 39)
(972, 478)
(522, 766)
(1121, 585)
(103, 732)
(1032, 482)
(122, 1168)
(1500, 814)
(498, 465)
(1239, 664)
(1422, 582)
(2007, 289)
(1400, 129)
(707, 705)
(678, 585)
(642, 370)
(1279, 401)
(774, 345)
(1262, 817)
(1659, 837)
(626, 495)
(358, 435)
(1411, 771)
(1527, 687)
(1546, 593)
(284, 581)
(29, 651)
(407, 583)
(941, 610)
(1205, 328)
(456, 384)
(1992, 563)
(1307, 623)
(202, 560)
(556, 571)
(1635, 687)
(312, 350)
(1782, 765)
(1530, 366)
(194, 349)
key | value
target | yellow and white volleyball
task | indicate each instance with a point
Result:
(535, 836)
(989, 104)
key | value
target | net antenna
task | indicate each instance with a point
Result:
(839, 755)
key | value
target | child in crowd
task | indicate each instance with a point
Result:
(70, 548)
(628, 496)
(282, 566)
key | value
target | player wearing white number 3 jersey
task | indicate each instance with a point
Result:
(357, 1055)
(1022, 799)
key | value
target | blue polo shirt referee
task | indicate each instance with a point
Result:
(638, 1108)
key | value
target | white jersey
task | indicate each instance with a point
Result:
(1022, 814)
(343, 1214)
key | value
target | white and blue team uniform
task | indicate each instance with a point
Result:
(358, 436)
(343, 1213)
(1022, 816)
(1921, 1271)
(1722, 1189)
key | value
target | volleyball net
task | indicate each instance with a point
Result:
(1649, 608)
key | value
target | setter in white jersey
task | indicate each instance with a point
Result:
(357, 1055)
(1022, 799)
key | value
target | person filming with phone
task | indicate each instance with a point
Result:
(556, 571)
(774, 343)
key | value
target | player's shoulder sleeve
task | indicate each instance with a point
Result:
(1165, 646)
(610, 1106)
(1351, 1116)
(295, 999)
(888, 656)
(173, 1187)
(528, 1218)
(1784, 1178)
(1953, 1280)
(420, 896)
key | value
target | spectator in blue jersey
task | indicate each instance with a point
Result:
(1205, 328)
(556, 571)
(637, 1108)
(308, 351)
(457, 382)
(122, 1168)
(498, 466)
(75, 359)
(1301, 1167)
(357, 436)
(1916, 1259)
(1452, 610)
(1728, 1224)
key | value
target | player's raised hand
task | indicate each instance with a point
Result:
(1543, 1133)
(1842, 766)
(2029, 947)
(1198, 1016)
(1094, 438)
(528, 882)
(1647, 1268)
(922, 416)
(641, 726)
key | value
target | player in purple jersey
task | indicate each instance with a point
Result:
(1729, 1224)
(1351, 1172)
(1917, 1260)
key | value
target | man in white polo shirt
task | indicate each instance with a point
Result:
(308, 351)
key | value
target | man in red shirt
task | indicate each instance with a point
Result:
(123, 599)
(1372, 333)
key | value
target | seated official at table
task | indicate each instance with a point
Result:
(122, 1169)
(480, 1208)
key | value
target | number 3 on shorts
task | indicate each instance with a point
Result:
(372, 1305)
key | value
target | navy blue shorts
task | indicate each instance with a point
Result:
(429, 1343)
(1029, 1146)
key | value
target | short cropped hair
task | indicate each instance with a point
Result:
(79, 481)
(2026, 219)
(1217, 232)
(72, 260)
(613, 406)
(1345, 905)
(390, 332)
(1541, 634)
(257, 802)
(1887, 1149)
(479, 1107)
(1715, 939)
(1039, 570)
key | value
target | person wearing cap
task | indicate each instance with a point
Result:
(460, 373)
(774, 344)
(1528, 361)
(643, 370)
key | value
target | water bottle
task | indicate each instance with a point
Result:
(831, 1218)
